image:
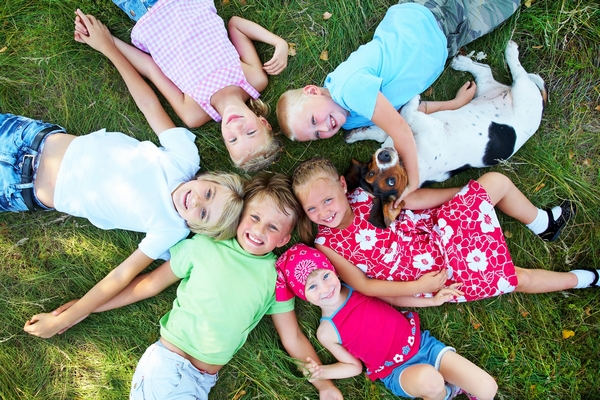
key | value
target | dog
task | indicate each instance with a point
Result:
(488, 129)
(385, 179)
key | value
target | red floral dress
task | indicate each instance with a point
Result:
(462, 235)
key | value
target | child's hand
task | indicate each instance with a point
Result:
(92, 32)
(314, 369)
(433, 281)
(42, 325)
(465, 94)
(447, 294)
(279, 60)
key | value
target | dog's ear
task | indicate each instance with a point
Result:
(354, 174)
(377, 218)
(389, 213)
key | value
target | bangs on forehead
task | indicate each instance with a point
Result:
(264, 197)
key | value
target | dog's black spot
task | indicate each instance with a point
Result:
(459, 170)
(497, 115)
(480, 134)
(473, 124)
(501, 144)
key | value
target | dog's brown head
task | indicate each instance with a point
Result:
(385, 178)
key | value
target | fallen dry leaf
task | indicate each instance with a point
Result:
(326, 15)
(587, 162)
(571, 154)
(528, 3)
(507, 234)
(324, 55)
(291, 49)
(537, 47)
(539, 187)
(524, 313)
(2, 50)
(567, 333)
(597, 107)
(239, 394)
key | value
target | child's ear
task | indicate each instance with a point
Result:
(264, 121)
(343, 183)
(311, 90)
(284, 241)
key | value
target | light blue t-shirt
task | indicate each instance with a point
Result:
(405, 57)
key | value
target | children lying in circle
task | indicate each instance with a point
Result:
(206, 71)
(442, 237)
(207, 325)
(356, 328)
(107, 178)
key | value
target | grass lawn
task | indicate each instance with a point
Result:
(48, 258)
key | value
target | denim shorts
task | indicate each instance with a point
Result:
(430, 352)
(135, 9)
(16, 135)
(162, 374)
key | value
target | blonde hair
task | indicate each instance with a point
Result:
(264, 155)
(233, 203)
(277, 188)
(289, 105)
(305, 173)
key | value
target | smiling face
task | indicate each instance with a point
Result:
(319, 118)
(324, 202)
(323, 288)
(200, 202)
(263, 226)
(243, 132)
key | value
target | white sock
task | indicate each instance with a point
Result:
(540, 223)
(584, 278)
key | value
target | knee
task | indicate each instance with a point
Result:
(488, 388)
(429, 383)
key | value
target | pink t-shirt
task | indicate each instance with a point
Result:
(376, 333)
(189, 43)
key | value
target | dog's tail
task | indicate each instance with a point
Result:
(539, 82)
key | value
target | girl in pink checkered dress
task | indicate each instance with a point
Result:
(206, 71)
(443, 238)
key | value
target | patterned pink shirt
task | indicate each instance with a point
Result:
(189, 43)
(462, 235)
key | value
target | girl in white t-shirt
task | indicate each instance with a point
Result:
(117, 182)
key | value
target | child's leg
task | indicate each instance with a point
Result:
(461, 372)
(543, 281)
(423, 380)
(506, 197)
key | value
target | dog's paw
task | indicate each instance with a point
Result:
(461, 63)
(372, 132)
(512, 50)
(409, 109)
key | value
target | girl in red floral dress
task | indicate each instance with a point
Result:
(453, 240)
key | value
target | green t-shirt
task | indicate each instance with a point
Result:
(223, 294)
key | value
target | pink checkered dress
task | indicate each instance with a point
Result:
(462, 235)
(189, 42)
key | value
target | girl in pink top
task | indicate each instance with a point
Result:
(206, 71)
(442, 237)
(355, 328)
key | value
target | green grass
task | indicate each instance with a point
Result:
(47, 259)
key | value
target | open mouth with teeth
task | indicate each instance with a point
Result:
(186, 200)
(328, 295)
(330, 219)
(254, 240)
(332, 122)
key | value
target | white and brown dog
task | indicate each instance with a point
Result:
(490, 128)
(385, 179)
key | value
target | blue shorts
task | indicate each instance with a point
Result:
(16, 135)
(135, 9)
(430, 352)
(162, 374)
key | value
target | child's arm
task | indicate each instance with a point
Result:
(353, 276)
(92, 32)
(47, 325)
(347, 365)
(464, 95)
(241, 33)
(422, 199)
(298, 346)
(441, 297)
(141, 287)
(389, 119)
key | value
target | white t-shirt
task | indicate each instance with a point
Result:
(116, 181)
